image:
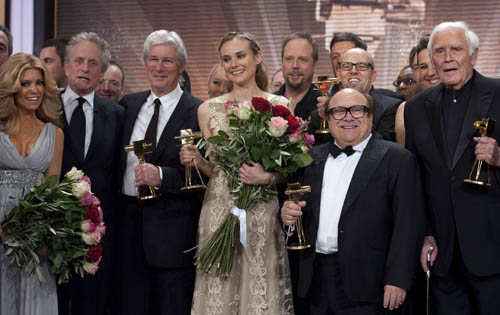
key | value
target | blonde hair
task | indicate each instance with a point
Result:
(10, 76)
(261, 77)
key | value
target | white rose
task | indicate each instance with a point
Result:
(80, 188)
(74, 174)
(91, 268)
(244, 111)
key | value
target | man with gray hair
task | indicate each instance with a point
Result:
(92, 142)
(156, 275)
(463, 217)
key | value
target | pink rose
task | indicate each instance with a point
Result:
(91, 238)
(244, 111)
(85, 178)
(91, 267)
(277, 126)
(88, 226)
(295, 136)
(231, 107)
(80, 188)
(101, 228)
(309, 140)
(89, 200)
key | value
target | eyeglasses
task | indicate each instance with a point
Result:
(356, 111)
(408, 81)
(361, 66)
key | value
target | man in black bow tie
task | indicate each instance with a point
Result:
(363, 229)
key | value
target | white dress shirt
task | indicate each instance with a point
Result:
(70, 102)
(168, 105)
(337, 177)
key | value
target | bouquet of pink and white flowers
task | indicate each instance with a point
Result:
(64, 219)
(260, 132)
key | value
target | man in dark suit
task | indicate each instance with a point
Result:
(463, 218)
(364, 232)
(356, 70)
(91, 143)
(157, 276)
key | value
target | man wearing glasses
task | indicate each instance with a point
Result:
(365, 237)
(356, 70)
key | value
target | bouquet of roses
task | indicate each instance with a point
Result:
(260, 132)
(63, 219)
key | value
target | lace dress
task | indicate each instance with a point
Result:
(259, 283)
(20, 293)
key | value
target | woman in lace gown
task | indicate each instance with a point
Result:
(259, 283)
(30, 150)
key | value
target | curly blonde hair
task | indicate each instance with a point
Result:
(50, 109)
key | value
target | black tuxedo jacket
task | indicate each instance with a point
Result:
(452, 205)
(169, 222)
(383, 118)
(101, 163)
(381, 223)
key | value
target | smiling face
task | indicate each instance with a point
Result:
(31, 91)
(337, 50)
(110, 86)
(425, 73)
(216, 83)
(239, 62)
(298, 64)
(84, 69)
(349, 130)
(450, 56)
(355, 79)
(163, 69)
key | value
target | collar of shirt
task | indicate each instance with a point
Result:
(167, 100)
(69, 97)
(357, 148)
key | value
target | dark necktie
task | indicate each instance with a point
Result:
(335, 150)
(150, 136)
(77, 128)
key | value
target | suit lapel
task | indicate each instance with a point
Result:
(133, 109)
(371, 157)
(316, 180)
(479, 104)
(98, 126)
(434, 113)
(172, 127)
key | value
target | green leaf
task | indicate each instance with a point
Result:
(302, 159)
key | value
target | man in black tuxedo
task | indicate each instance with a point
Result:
(364, 231)
(356, 70)
(157, 276)
(463, 218)
(92, 140)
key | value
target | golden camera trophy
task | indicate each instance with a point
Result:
(295, 192)
(141, 149)
(476, 176)
(187, 137)
(324, 84)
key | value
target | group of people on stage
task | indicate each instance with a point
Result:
(374, 211)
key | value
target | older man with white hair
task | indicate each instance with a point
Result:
(156, 276)
(463, 218)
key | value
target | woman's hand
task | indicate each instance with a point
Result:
(188, 154)
(252, 173)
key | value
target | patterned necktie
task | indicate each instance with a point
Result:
(150, 136)
(335, 150)
(77, 128)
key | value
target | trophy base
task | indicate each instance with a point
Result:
(322, 131)
(193, 187)
(147, 197)
(477, 182)
(297, 246)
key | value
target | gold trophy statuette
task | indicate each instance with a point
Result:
(140, 149)
(295, 192)
(324, 84)
(187, 137)
(476, 176)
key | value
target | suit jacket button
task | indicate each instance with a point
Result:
(341, 231)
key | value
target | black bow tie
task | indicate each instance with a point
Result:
(335, 150)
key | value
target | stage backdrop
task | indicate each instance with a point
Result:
(390, 27)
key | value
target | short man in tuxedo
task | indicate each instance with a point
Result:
(157, 276)
(364, 232)
(299, 56)
(356, 70)
(92, 140)
(463, 218)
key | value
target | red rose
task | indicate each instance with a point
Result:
(94, 254)
(293, 123)
(280, 111)
(92, 213)
(261, 104)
